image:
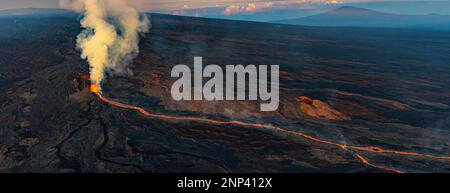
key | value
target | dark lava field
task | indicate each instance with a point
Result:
(364, 87)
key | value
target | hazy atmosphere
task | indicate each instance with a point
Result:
(244, 5)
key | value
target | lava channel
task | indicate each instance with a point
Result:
(376, 150)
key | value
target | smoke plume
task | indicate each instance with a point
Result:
(110, 37)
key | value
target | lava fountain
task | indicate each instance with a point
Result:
(94, 88)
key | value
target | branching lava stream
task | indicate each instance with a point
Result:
(352, 149)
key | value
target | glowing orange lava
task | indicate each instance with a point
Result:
(96, 90)
(365, 161)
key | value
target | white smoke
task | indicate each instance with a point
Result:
(110, 37)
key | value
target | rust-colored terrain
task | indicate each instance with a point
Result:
(370, 90)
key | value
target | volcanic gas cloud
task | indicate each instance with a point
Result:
(110, 37)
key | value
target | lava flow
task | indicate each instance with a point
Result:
(96, 90)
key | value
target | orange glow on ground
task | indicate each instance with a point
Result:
(348, 148)
(365, 161)
(94, 88)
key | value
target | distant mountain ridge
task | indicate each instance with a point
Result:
(34, 12)
(346, 16)
(349, 16)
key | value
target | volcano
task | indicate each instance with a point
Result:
(379, 108)
(349, 16)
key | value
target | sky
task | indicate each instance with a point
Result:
(175, 4)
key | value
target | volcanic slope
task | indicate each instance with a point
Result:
(364, 87)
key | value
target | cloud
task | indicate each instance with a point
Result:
(249, 8)
(334, 2)
(233, 9)
(256, 7)
(252, 7)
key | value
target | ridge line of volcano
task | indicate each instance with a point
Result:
(347, 148)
